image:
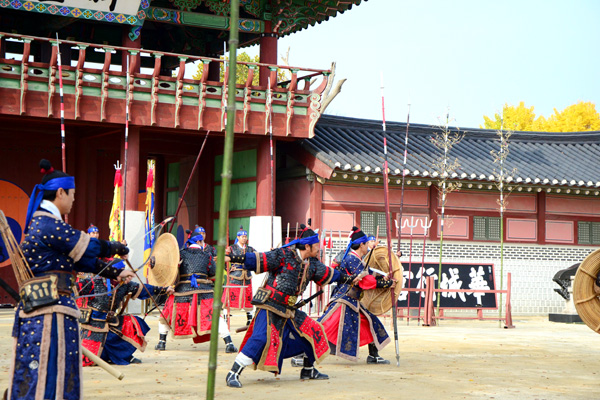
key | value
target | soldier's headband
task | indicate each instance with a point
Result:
(307, 240)
(194, 239)
(242, 233)
(65, 182)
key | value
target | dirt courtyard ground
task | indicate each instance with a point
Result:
(457, 360)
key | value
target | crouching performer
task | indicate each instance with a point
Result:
(189, 310)
(279, 330)
(105, 330)
(46, 360)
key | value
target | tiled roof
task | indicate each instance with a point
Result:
(541, 158)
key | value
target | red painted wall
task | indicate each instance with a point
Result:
(569, 205)
(489, 202)
(521, 230)
(560, 232)
(372, 195)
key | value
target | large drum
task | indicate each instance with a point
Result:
(585, 291)
(164, 262)
(379, 301)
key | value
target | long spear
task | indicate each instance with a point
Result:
(126, 143)
(224, 206)
(187, 186)
(62, 106)
(403, 177)
(62, 111)
(387, 225)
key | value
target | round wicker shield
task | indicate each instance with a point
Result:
(379, 301)
(164, 262)
(585, 291)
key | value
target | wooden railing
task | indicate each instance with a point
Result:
(96, 92)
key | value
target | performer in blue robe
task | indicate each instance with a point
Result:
(279, 329)
(105, 330)
(46, 362)
(237, 295)
(348, 324)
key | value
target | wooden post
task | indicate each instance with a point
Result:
(268, 52)
(133, 168)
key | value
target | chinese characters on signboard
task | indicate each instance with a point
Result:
(454, 276)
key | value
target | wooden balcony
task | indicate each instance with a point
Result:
(94, 92)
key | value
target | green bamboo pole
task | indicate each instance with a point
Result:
(502, 200)
(501, 263)
(224, 206)
(444, 176)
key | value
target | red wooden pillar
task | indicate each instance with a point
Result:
(315, 207)
(133, 167)
(433, 213)
(268, 52)
(541, 217)
(263, 177)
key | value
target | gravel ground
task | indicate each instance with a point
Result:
(457, 360)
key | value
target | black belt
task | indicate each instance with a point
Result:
(64, 282)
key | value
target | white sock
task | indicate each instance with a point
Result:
(243, 360)
(163, 328)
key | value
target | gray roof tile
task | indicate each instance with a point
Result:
(558, 158)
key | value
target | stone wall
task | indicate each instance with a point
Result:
(531, 266)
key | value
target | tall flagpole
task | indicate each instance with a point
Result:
(225, 192)
(388, 227)
(126, 143)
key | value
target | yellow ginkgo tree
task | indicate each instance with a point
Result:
(578, 117)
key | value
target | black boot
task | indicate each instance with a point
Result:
(162, 342)
(373, 357)
(310, 372)
(230, 347)
(233, 376)
(248, 318)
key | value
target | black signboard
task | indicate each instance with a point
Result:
(454, 276)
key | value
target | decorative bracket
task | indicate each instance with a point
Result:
(24, 74)
(52, 77)
(154, 93)
(179, 91)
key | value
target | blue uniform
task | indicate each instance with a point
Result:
(348, 324)
(107, 332)
(47, 361)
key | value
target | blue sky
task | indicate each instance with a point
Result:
(472, 56)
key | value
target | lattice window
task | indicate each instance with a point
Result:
(369, 221)
(486, 228)
(588, 232)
